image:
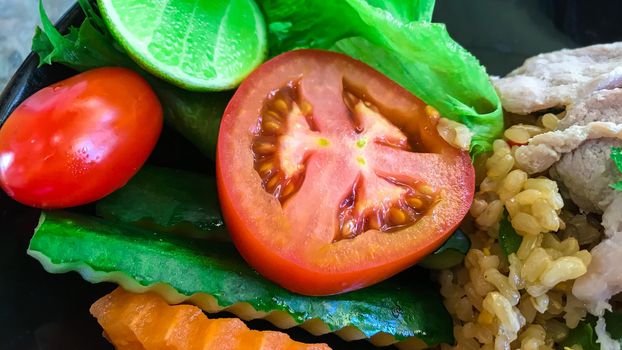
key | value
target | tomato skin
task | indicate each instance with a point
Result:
(80, 139)
(292, 244)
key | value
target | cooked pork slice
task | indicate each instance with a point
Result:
(544, 150)
(559, 78)
(604, 274)
(600, 106)
(587, 173)
(581, 148)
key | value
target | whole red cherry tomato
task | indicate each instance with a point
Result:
(80, 139)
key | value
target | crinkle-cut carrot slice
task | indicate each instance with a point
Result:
(146, 322)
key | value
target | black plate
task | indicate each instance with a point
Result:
(48, 312)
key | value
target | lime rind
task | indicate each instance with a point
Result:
(234, 54)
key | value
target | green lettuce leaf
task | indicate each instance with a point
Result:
(82, 48)
(616, 156)
(396, 38)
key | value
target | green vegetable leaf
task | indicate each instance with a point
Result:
(616, 156)
(214, 276)
(396, 38)
(81, 49)
(509, 240)
(194, 115)
(583, 335)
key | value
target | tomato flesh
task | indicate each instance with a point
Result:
(332, 177)
(80, 139)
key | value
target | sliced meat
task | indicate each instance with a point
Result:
(558, 78)
(587, 172)
(600, 106)
(604, 274)
(581, 148)
(545, 149)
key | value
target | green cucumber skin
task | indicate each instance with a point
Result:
(168, 200)
(65, 241)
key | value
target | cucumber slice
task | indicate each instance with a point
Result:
(214, 277)
(168, 200)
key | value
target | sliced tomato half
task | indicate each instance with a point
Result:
(332, 177)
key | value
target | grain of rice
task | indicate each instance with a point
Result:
(510, 319)
(525, 224)
(555, 330)
(512, 184)
(563, 269)
(464, 310)
(528, 244)
(540, 303)
(517, 135)
(569, 246)
(585, 256)
(502, 284)
(528, 197)
(537, 262)
(491, 215)
(533, 337)
(550, 121)
(545, 214)
(478, 207)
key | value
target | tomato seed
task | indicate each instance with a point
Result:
(426, 189)
(305, 108)
(271, 127)
(374, 222)
(264, 148)
(287, 189)
(272, 115)
(265, 168)
(397, 216)
(271, 185)
(348, 229)
(281, 106)
(414, 202)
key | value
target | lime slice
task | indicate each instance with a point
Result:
(195, 44)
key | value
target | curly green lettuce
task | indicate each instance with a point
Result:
(397, 38)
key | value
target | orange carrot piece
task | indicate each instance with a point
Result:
(146, 322)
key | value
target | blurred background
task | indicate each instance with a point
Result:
(18, 19)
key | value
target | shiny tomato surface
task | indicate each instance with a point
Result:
(80, 139)
(332, 177)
